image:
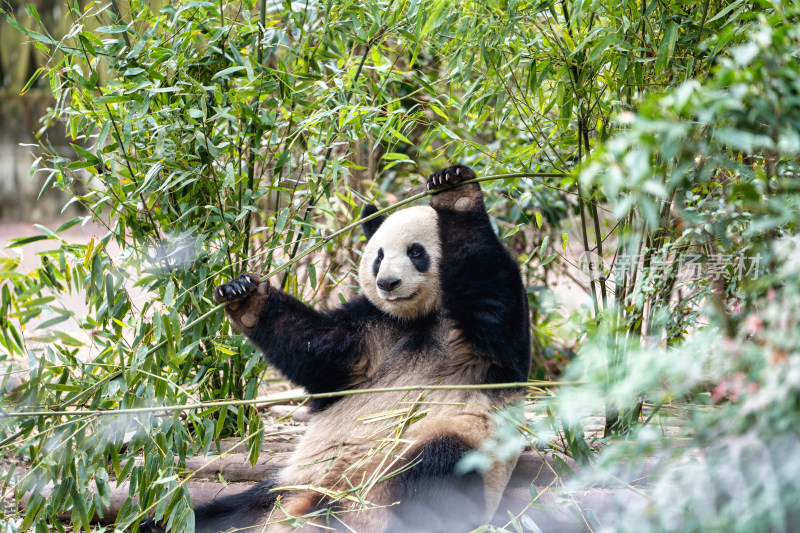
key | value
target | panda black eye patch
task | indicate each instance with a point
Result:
(419, 257)
(376, 265)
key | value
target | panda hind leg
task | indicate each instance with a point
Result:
(243, 512)
(246, 511)
(433, 497)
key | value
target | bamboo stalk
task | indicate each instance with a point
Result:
(314, 199)
(255, 130)
(284, 398)
(348, 228)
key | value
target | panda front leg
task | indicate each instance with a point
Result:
(312, 349)
(482, 289)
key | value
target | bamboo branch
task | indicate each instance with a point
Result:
(285, 398)
(329, 152)
(346, 229)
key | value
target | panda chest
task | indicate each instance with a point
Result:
(425, 356)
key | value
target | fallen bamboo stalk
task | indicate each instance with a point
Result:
(268, 446)
(233, 467)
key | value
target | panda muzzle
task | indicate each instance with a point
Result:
(389, 284)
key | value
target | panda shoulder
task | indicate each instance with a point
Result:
(359, 310)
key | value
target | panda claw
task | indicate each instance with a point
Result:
(449, 177)
(236, 289)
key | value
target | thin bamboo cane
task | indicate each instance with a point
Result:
(348, 228)
(283, 399)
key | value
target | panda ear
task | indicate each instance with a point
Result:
(371, 226)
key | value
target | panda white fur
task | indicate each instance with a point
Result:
(442, 303)
(399, 271)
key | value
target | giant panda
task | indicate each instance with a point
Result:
(441, 303)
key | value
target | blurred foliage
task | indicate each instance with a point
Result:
(716, 163)
(215, 138)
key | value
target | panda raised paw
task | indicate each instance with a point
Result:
(449, 177)
(237, 289)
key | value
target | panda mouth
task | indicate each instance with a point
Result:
(401, 298)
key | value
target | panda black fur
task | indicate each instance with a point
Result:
(442, 303)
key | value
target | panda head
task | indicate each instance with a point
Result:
(399, 271)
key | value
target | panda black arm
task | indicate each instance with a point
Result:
(316, 350)
(482, 290)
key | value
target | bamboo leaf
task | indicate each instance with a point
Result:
(32, 80)
(53, 321)
(448, 132)
(667, 48)
(21, 241)
(70, 223)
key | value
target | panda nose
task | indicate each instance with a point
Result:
(389, 284)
